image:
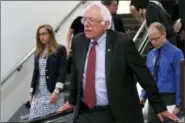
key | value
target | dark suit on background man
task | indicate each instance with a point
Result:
(181, 42)
(122, 61)
(118, 23)
(181, 12)
(171, 8)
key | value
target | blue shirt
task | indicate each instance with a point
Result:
(168, 71)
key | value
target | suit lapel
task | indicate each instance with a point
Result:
(108, 53)
(84, 48)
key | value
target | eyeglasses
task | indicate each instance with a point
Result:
(44, 33)
(155, 39)
(90, 20)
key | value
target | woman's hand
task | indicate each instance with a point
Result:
(54, 97)
(30, 97)
(28, 101)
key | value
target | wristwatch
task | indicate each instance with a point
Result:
(177, 106)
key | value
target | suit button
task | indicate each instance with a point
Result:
(47, 77)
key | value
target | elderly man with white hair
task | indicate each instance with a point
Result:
(104, 64)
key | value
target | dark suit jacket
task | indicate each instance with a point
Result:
(181, 12)
(122, 62)
(55, 69)
(171, 7)
(118, 23)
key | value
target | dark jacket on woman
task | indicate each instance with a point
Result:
(55, 69)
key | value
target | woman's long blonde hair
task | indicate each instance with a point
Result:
(52, 43)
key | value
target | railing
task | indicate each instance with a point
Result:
(49, 117)
(19, 65)
(139, 31)
(68, 15)
(143, 45)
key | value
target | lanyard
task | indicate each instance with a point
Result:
(156, 65)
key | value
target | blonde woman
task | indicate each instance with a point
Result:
(48, 75)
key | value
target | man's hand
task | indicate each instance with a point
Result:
(176, 110)
(177, 26)
(182, 35)
(66, 107)
(142, 101)
(30, 97)
(167, 115)
(53, 98)
(68, 51)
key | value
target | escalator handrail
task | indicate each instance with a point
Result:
(19, 65)
(68, 15)
(49, 117)
(143, 45)
(139, 31)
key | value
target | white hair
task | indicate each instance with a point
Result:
(105, 14)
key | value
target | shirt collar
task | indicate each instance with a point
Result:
(165, 45)
(100, 40)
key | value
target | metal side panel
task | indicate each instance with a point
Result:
(15, 91)
(20, 115)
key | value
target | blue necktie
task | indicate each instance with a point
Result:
(157, 63)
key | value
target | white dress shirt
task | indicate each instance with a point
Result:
(100, 82)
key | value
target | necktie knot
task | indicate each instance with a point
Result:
(94, 43)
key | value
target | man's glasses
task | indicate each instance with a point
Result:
(90, 20)
(155, 39)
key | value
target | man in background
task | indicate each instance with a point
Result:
(75, 28)
(164, 64)
(117, 23)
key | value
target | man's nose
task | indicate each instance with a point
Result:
(86, 23)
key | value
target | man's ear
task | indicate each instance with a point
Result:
(107, 24)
